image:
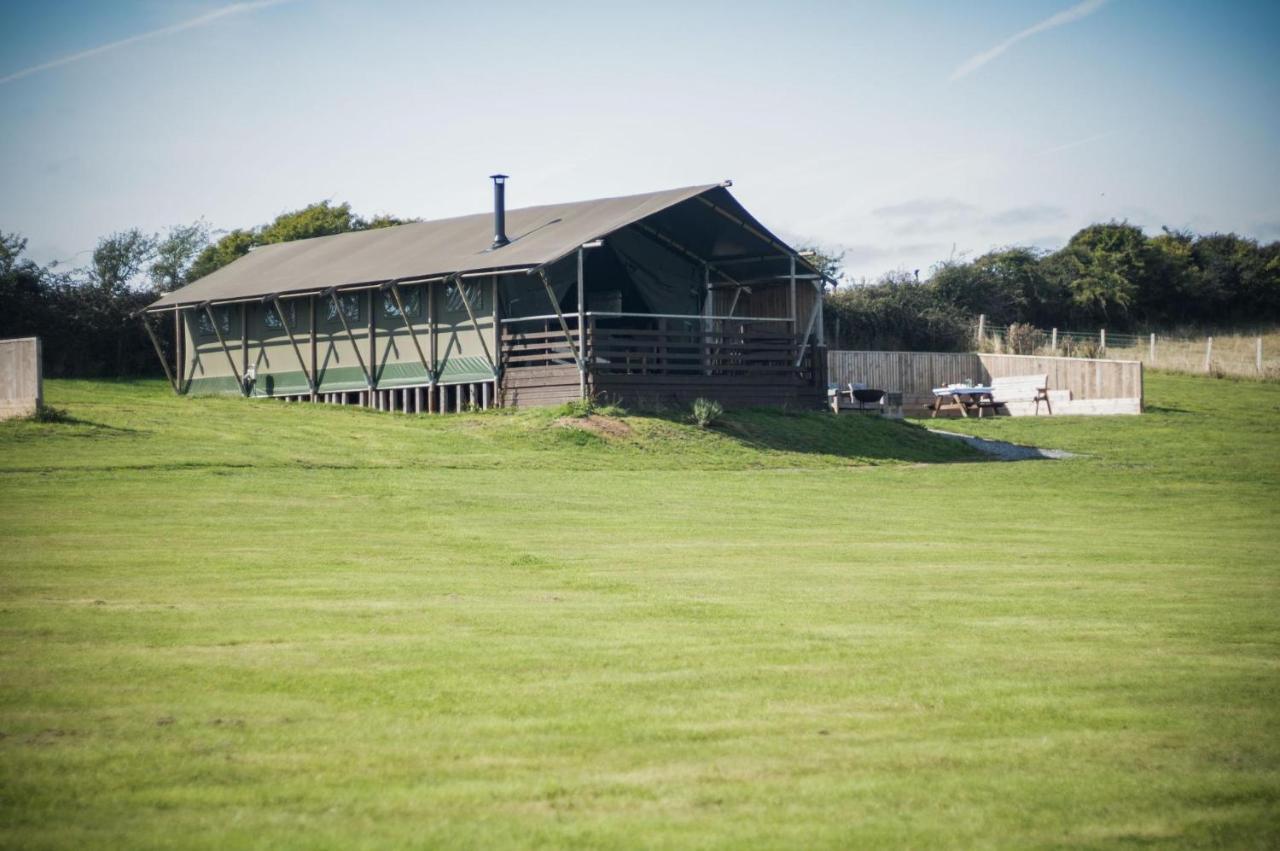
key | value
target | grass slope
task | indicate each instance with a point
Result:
(243, 624)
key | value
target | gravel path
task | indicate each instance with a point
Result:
(1005, 451)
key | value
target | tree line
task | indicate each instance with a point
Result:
(1108, 275)
(87, 316)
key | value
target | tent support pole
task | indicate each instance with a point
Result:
(433, 371)
(791, 297)
(178, 339)
(820, 289)
(337, 308)
(302, 364)
(159, 352)
(466, 302)
(804, 344)
(315, 385)
(413, 335)
(244, 344)
(231, 362)
(582, 328)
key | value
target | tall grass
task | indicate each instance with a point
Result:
(1232, 354)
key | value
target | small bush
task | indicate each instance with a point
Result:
(706, 412)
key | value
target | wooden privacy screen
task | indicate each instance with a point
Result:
(915, 374)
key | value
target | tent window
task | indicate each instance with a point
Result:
(271, 319)
(204, 327)
(412, 299)
(453, 299)
(350, 309)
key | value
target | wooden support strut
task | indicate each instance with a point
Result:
(168, 373)
(564, 326)
(275, 301)
(413, 335)
(466, 302)
(337, 308)
(222, 342)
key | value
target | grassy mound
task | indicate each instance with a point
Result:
(143, 425)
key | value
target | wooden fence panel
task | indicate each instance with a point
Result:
(915, 374)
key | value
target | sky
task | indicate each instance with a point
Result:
(903, 133)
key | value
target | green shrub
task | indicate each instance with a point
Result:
(706, 412)
(583, 408)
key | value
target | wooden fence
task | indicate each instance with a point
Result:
(21, 381)
(915, 374)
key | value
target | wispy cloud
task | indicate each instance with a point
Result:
(1097, 137)
(1066, 16)
(193, 23)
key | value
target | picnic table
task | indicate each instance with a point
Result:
(962, 399)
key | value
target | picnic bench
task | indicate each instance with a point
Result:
(1021, 388)
(1008, 388)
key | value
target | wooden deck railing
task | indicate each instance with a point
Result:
(613, 351)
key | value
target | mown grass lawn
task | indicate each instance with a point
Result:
(249, 624)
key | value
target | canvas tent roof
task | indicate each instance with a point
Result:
(539, 235)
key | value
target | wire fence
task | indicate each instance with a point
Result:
(1242, 355)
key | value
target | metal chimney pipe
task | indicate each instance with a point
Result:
(499, 210)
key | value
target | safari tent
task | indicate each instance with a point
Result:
(652, 299)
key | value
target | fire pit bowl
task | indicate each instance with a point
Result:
(868, 397)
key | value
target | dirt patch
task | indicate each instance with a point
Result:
(607, 427)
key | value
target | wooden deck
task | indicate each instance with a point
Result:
(658, 367)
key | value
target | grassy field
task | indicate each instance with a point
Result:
(257, 625)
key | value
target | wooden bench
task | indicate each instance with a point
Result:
(1019, 388)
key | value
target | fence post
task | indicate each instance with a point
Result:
(1257, 358)
(982, 329)
(1208, 353)
(1152, 357)
(1053, 341)
(1102, 341)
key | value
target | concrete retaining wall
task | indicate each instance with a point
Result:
(21, 377)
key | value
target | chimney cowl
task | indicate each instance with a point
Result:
(499, 210)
